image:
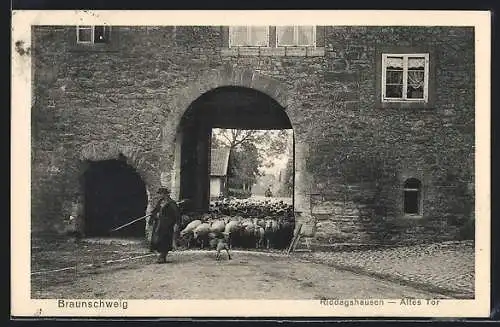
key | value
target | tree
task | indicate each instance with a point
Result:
(244, 163)
(250, 150)
(232, 137)
(287, 184)
(269, 143)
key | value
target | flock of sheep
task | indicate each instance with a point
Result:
(242, 224)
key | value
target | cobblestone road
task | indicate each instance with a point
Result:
(447, 267)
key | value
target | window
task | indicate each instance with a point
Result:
(248, 36)
(290, 36)
(92, 34)
(405, 77)
(412, 197)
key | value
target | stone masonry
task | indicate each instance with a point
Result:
(352, 152)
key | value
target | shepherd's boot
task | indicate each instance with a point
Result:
(162, 258)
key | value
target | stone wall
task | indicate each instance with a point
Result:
(132, 93)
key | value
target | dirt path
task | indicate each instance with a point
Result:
(195, 275)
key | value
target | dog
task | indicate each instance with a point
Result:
(222, 245)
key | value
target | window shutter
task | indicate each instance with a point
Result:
(320, 36)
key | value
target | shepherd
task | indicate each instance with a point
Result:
(165, 216)
(268, 193)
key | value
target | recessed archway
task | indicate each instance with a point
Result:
(114, 194)
(230, 107)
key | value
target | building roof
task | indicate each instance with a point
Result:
(219, 162)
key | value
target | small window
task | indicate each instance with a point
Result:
(405, 77)
(92, 34)
(293, 36)
(248, 36)
(412, 197)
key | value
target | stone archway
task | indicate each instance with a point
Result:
(216, 78)
(212, 79)
(231, 107)
(146, 165)
(230, 76)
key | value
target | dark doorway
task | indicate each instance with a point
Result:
(114, 195)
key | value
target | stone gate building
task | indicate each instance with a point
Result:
(383, 122)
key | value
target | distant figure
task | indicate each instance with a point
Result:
(268, 193)
(165, 216)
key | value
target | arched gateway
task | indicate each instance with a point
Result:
(224, 107)
(227, 98)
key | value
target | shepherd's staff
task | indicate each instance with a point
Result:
(137, 219)
(129, 223)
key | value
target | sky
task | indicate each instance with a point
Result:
(279, 164)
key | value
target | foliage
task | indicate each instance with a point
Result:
(287, 186)
(239, 193)
(244, 163)
(250, 151)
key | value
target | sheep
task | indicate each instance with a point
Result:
(185, 220)
(186, 235)
(206, 217)
(259, 236)
(217, 226)
(190, 227)
(226, 219)
(270, 230)
(200, 233)
(232, 226)
(259, 222)
(247, 222)
(231, 229)
(248, 233)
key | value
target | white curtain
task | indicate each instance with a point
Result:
(416, 72)
(285, 35)
(416, 63)
(242, 36)
(305, 35)
(238, 35)
(258, 36)
(416, 79)
(295, 35)
(395, 62)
